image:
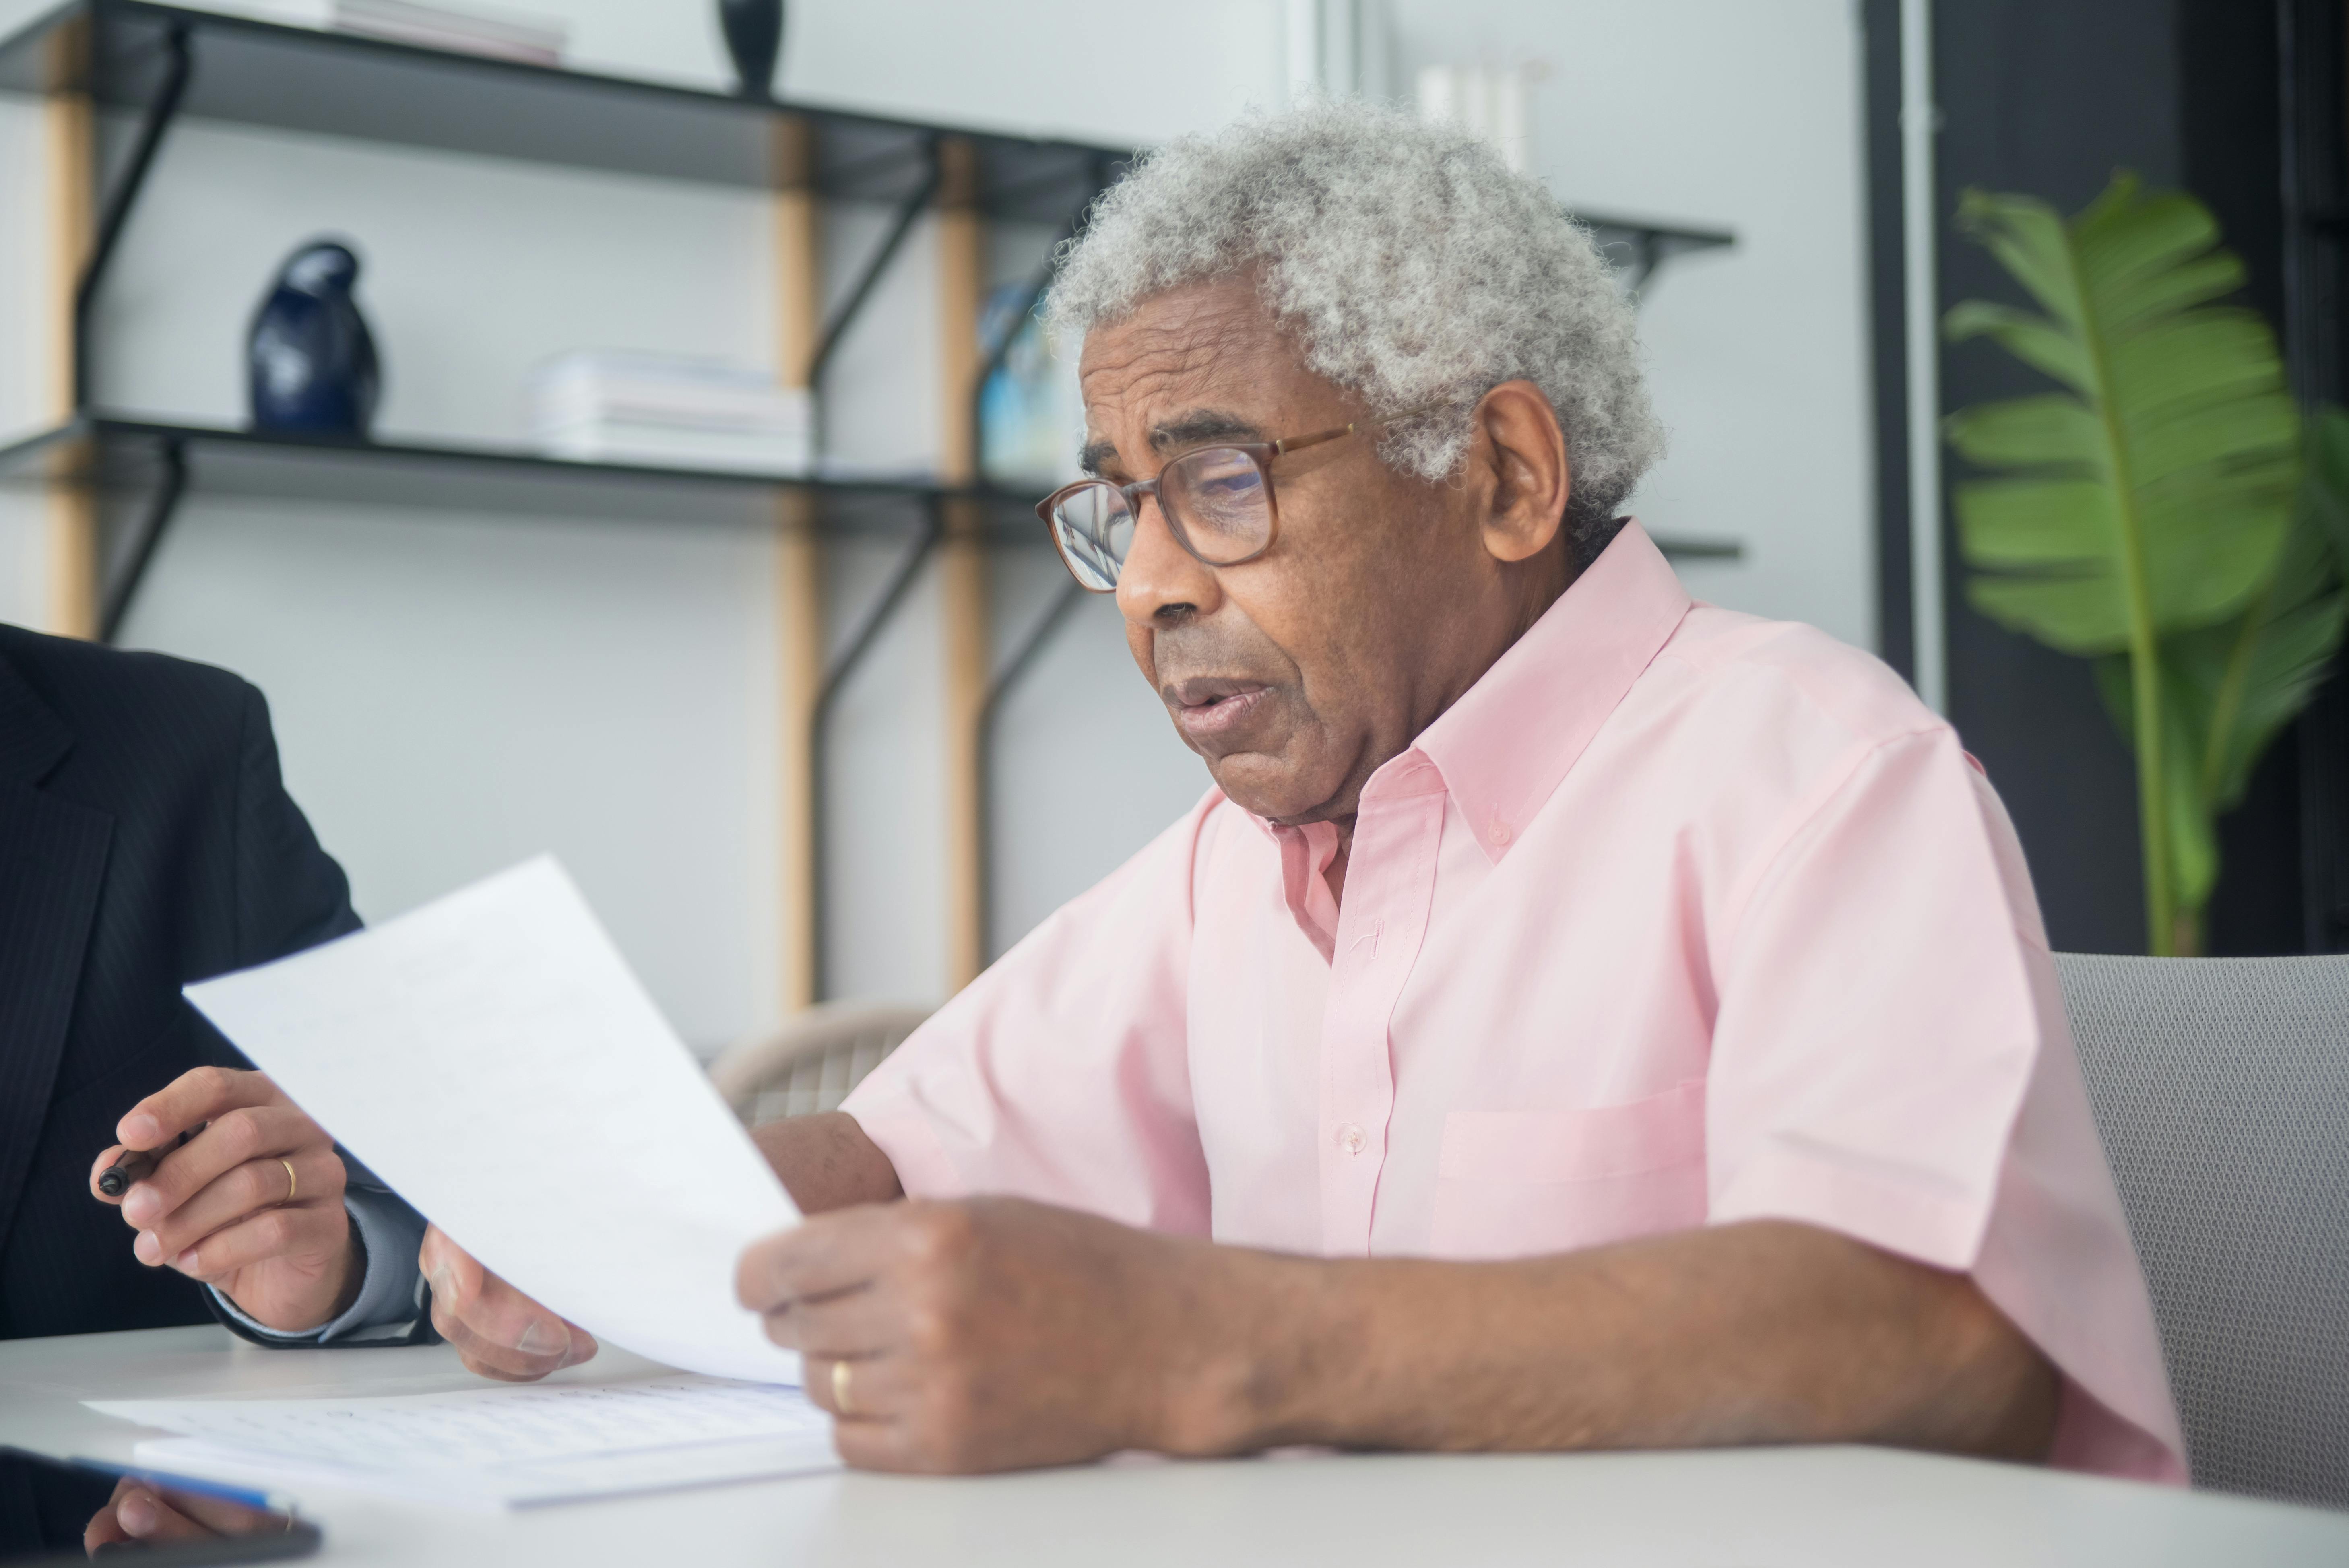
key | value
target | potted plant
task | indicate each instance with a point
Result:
(2162, 513)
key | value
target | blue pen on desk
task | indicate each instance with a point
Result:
(267, 1502)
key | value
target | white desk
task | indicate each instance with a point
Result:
(1816, 1508)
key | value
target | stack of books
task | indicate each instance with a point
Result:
(536, 40)
(670, 412)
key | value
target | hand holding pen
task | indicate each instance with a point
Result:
(136, 1165)
(231, 1184)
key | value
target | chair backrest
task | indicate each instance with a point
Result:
(2221, 1090)
(813, 1061)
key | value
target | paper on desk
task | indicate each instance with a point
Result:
(504, 1446)
(491, 1057)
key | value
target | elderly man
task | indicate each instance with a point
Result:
(1577, 1017)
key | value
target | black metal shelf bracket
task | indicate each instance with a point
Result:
(1648, 254)
(844, 316)
(1065, 599)
(161, 110)
(124, 585)
(1653, 244)
(877, 617)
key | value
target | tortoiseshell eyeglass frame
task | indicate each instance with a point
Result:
(1260, 454)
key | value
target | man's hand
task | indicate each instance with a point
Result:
(986, 1334)
(500, 1332)
(825, 1160)
(138, 1515)
(252, 1203)
(993, 1333)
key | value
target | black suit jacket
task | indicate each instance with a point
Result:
(146, 842)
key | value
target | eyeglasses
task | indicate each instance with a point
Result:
(1217, 502)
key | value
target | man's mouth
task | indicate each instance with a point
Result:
(1210, 706)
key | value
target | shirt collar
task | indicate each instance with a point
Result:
(1504, 748)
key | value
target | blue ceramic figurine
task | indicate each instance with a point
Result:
(312, 360)
(754, 37)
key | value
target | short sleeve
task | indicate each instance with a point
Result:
(1061, 1073)
(1890, 1060)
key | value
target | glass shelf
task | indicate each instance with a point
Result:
(131, 457)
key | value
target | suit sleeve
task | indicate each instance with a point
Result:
(291, 894)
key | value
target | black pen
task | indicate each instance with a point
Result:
(135, 1166)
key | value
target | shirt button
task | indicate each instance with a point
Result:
(1352, 1139)
(1500, 832)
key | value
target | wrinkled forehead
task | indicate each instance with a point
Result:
(1176, 343)
(1205, 362)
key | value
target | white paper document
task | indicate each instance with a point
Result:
(491, 1057)
(499, 1447)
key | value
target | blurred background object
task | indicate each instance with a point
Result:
(310, 358)
(1493, 101)
(2241, 106)
(1031, 413)
(754, 39)
(605, 406)
(2154, 515)
(811, 1062)
(501, 35)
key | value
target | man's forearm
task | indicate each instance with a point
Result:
(1746, 1334)
(826, 1161)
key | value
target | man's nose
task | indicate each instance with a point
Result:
(1160, 577)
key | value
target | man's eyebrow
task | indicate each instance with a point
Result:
(1201, 425)
(1191, 430)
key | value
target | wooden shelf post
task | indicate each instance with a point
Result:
(68, 190)
(798, 564)
(963, 563)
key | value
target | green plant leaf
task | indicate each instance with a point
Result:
(2028, 337)
(2026, 432)
(2143, 512)
(2072, 616)
(2190, 834)
(2231, 688)
(2250, 678)
(2035, 522)
(2027, 236)
(2325, 494)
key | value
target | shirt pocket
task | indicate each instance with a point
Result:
(1519, 1183)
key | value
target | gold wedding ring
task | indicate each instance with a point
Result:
(293, 1183)
(840, 1388)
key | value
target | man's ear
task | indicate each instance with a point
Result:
(1531, 475)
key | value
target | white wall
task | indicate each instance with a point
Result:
(1737, 114)
(455, 692)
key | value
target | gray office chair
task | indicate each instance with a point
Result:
(2221, 1090)
(813, 1061)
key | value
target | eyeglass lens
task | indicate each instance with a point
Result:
(1215, 499)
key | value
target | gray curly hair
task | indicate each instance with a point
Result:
(1415, 269)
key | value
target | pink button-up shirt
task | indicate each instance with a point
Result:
(1678, 917)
